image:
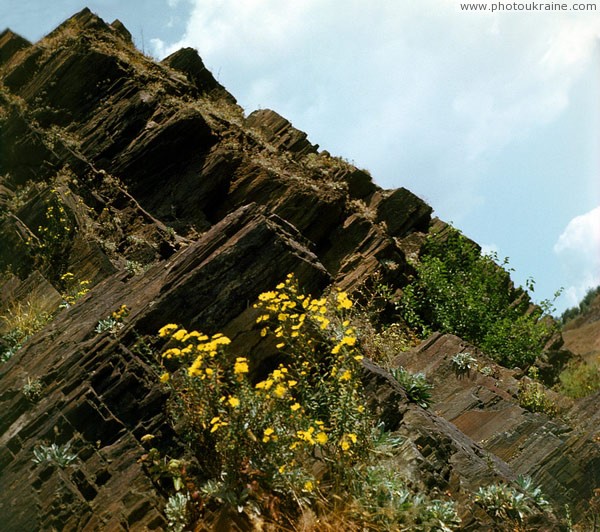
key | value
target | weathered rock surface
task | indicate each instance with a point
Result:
(148, 181)
(483, 404)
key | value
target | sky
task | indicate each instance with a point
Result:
(493, 118)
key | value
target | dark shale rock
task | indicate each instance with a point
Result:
(484, 406)
(10, 44)
(402, 212)
(279, 132)
(189, 62)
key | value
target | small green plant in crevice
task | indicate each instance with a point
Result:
(532, 492)
(439, 515)
(463, 363)
(133, 268)
(32, 389)
(505, 503)
(73, 289)
(176, 511)
(58, 455)
(416, 386)
(113, 323)
(532, 397)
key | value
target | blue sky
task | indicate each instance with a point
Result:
(494, 119)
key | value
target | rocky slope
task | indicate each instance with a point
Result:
(147, 180)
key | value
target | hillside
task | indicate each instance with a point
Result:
(138, 197)
(582, 333)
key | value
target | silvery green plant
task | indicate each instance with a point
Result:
(108, 324)
(463, 362)
(502, 502)
(32, 389)
(532, 492)
(176, 511)
(54, 454)
(440, 515)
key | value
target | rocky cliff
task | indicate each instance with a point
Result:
(146, 184)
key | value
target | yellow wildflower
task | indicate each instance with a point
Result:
(309, 486)
(179, 335)
(164, 377)
(346, 376)
(241, 366)
(321, 438)
(234, 402)
(280, 390)
(268, 435)
(343, 302)
(295, 406)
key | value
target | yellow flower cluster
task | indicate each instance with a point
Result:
(200, 347)
(347, 441)
(123, 312)
(278, 384)
(291, 310)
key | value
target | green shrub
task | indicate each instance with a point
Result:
(268, 434)
(533, 398)
(457, 290)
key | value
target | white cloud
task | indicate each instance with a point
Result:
(578, 249)
(404, 88)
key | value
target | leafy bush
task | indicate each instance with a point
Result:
(533, 398)
(268, 434)
(457, 290)
(502, 502)
(463, 363)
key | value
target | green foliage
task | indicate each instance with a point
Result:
(54, 235)
(269, 434)
(463, 363)
(533, 398)
(457, 290)
(502, 502)
(54, 454)
(583, 306)
(20, 323)
(73, 289)
(579, 380)
(416, 386)
(112, 323)
(298, 441)
(32, 389)
(176, 511)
